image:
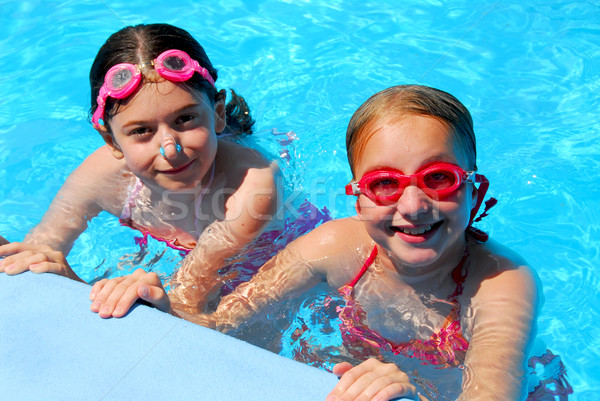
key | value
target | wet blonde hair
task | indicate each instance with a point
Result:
(392, 104)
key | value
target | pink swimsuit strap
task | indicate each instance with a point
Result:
(364, 267)
(445, 347)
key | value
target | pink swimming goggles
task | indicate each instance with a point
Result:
(385, 186)
(122, 79)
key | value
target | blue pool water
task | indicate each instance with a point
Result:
(529, 73)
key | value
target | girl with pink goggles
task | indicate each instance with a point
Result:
(124, 78)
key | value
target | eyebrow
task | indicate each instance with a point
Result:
(445, 157)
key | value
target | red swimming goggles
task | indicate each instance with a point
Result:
(122, 79)
(385, 186)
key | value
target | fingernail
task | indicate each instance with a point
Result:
(118, 311)
(95, 306)
(145, 292)
(9, 268)
(92, 296)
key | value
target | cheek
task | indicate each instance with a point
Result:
(372, 214)
(138, 157)
(457, 208)
(203, 140)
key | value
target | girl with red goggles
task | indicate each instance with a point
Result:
(420, 285)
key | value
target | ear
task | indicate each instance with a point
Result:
(474, 196)
(112, 144)
(220, 112)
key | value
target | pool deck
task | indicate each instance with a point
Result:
(52, 347)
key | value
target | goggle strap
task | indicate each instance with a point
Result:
(353, 188)
(481, 191)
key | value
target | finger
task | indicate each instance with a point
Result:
(355, 381)
(17, 247)
(341, 368)
(156, 296)
(112, 294)
(16, 264)
(96, 288)
(103, 292)
(348, 379)
(395, 390)
(124, 303)
(387, 387)
(9, 249)
(125, 293)
(102, 289)
(46, 267)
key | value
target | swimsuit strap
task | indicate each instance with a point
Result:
(134, 191)
(364, 267)
(459, 276)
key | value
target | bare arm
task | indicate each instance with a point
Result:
(317, 256)
(505, 309)
(285, 275)
(88, 190)
(79, 199)
(248, 211)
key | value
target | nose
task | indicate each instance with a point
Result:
(169, 148)
(413, 202)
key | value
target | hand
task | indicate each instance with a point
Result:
(114, 297)
(371, 380)
(20, 256)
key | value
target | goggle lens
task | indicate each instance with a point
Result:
(120, 78)
(441, 179)
(174, 63)
(384, 187)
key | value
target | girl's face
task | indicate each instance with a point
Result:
(167, 110)
(419, 233)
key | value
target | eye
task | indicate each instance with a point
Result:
(384, 186)
(185, 118)
(140, 132)
(439, 180)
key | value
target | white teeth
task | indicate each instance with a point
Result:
(415, 231)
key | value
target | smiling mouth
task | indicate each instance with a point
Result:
(417, 230)
(178, 169)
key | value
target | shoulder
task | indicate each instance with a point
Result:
(101, 164)
(241, 156)
(245, 167)
(501, 272)
(334, 248)
(101, 178)
(339, 233)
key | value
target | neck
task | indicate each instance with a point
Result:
(184, 202)
(434, 275)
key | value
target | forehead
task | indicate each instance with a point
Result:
(409, 143)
